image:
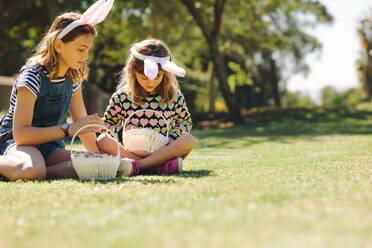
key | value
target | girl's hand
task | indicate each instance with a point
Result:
(90, 119)
(170, 141)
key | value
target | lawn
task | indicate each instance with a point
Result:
(292, 179)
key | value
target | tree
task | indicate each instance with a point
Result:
(210, 31)
(22, 26)
(330, 97)
(364, 63)
(261, 34)
(261, 39)
(269, 38)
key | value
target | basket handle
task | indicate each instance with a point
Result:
(91, 125)
(156, 112)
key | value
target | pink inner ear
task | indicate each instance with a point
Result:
(99, 13)
(85, 16)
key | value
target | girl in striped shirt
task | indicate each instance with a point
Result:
(47, 88)
(148, 82)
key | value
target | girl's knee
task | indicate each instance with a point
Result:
(106, 143)
(24, 172)
(190, 141)
(100, 140)
(103, 138)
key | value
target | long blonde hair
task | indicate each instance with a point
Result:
(46, 55)
(167, 89)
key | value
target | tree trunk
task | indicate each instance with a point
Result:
(211, 89)
(210, 33)
(220, 72)
(274, 82)
(368, 71)
(53, 9)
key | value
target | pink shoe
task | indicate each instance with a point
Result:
(128, 167)
(171, 167)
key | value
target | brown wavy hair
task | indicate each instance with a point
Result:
(168, 87)
(46, 55)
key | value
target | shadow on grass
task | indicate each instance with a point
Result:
(151, 178)
(196, 174)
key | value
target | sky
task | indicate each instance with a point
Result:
(335, 65)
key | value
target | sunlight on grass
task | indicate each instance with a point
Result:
(270, 184)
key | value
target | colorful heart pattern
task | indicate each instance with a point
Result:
(175, 113)
(134, 121)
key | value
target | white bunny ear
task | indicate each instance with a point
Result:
(171, 67)
(95, 14)
(98, 13)
(151, 68)
(91, 10)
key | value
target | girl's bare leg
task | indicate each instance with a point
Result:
(23, 163)
(59, 165)
(109, 145)
(178, 148)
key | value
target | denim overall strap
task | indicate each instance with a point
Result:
(52, 103)
(6, 135)
(51, 109)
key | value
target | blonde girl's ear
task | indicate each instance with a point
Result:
(58, 45)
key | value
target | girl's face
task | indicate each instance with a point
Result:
(73, 54)
(148, 84)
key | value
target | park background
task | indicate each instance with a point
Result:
(239, 56)
(274, 166)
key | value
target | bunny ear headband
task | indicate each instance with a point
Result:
(95, 14)
(151, 66)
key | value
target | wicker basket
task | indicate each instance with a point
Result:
(93, 165)
(144, 141)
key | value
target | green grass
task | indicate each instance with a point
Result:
(285, 181)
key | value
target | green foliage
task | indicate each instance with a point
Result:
(22, 26)
(256, 27)
(252, 33)
(296, 99)
(352, 97)
(270, 39)
(239, 76)
(2, 113)
(190, 87)
(311, 114)
(331, 97)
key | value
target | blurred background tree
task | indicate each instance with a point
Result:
(21, 27)
(364, 63)
(330, 97)
(238, 54)
(297, 99)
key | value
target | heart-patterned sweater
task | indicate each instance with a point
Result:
(175, 113)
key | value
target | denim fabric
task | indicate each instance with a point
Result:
(51, 108)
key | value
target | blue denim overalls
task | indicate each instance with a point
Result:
(51, 108)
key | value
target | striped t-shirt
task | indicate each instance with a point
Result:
(30, 78)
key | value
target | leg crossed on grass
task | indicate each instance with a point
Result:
(27, 163)
(179, 148)
(59, 165)
(23, 163)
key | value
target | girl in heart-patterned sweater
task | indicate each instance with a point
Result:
(148, 84)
